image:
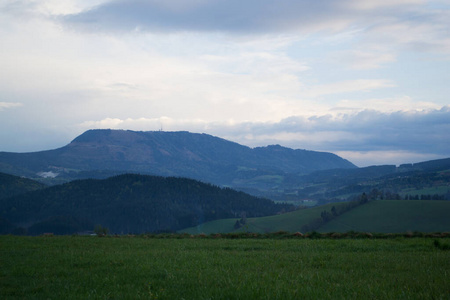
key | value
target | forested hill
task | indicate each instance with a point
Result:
(13, 185)
(130, 204)
(184, 154)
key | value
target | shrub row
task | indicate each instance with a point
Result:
(290, 235)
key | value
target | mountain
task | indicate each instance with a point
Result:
(273, 172)
(128, 203)
(102, 153)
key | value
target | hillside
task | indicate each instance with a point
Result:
(387, 216)
(422, 180)
(129, 204)
(291, 222)
(183, 154)
(381, 216)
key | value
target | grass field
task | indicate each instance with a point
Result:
(383, 216)
(292, 222)
(207, 268)
(394, 216)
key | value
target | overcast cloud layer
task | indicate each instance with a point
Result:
(367, 80)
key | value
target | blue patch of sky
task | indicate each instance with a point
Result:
(438, 5)
(419, 75)
(422, 76)
(325, 68)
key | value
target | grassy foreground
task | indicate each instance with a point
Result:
(207, 268)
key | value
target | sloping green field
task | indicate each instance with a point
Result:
(292, 222)
(386, 216)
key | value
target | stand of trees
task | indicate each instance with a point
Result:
(131, 204)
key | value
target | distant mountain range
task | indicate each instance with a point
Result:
(426, 179)
(103, 153)
(80, 197)
(274, 172)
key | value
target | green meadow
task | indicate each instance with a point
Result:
(203, 267)
(394, 216)
(385, 216)
(292, 222)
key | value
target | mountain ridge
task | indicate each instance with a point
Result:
(193, 155)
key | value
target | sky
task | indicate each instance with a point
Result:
(368, 80)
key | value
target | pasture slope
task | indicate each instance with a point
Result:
(292, 222)
(383, 216)
(386, 216)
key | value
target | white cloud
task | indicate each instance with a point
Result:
(348, 86)
(377, 4)
(364, 135)
(361, 60)
(37, 8)
(386, 105)
(426, 32)
(110, 123)
(5, 105)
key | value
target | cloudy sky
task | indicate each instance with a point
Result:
(368, 80)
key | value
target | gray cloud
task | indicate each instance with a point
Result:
(421, 132)
(368, 130)
(409, 23)
(365, 138)
(214, 15)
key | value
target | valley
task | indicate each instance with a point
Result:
(138, 182)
